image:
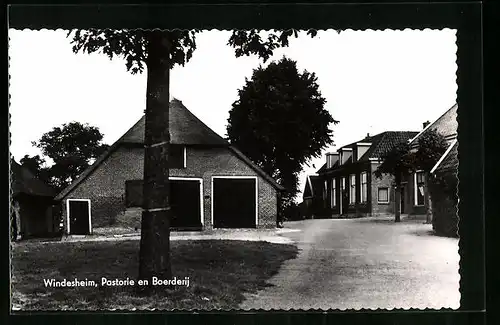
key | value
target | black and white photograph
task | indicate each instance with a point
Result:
(243, 170)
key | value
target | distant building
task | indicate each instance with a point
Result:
(349, 187)
(312, 198)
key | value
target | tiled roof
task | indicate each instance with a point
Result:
(385, 141)
(446, 125)
(382, 142)
(24, 181)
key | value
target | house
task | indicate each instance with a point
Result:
(213, 184)
(349, 186)
(445, 194)
(415, 190)
(312, 197)
(31, 205)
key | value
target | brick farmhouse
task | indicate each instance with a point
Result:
(213, 185)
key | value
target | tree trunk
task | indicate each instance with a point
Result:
(427, 200)
(154, 255)
(397, 201)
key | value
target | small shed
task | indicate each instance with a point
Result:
(32, 203)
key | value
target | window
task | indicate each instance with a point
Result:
(419, 188)
(333, 194)
(325, 191)
(352, 189)
(364, 187)
(383, 195)
(177, 156)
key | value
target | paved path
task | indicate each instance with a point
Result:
(364, 263)
(267, 235)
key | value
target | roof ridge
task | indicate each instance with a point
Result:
(196, 117)
(433, 122)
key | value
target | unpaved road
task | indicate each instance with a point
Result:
(364, 263)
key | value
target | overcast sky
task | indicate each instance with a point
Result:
(373, 81)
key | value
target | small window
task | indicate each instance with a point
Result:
(364, 187)
(352, 189)
(383, 195)
(177, 156)
(333, 194)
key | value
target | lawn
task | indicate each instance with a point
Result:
(219, 272)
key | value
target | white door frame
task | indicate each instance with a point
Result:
(175, 178)
(68, 219)
(235, 177)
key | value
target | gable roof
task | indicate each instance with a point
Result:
(185, 129)
(24, 181)
(448, 161)
(313, 186)
(446, 124)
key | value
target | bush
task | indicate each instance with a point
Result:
(444, 204)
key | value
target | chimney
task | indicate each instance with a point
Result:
(425, 124)
(331, 159)
(367, 136)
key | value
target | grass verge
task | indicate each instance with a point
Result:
(219, 271)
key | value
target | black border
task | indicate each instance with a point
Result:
(464, 16)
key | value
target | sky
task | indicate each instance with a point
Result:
(373, 81)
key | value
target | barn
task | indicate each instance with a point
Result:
(213, 184)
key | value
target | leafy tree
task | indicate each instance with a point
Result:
(398, 162)
(72, 147)
(157, 52)
(37, 165)
(280, 123)
(431, 146)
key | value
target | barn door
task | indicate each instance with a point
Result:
(79, 217)
(235, 202)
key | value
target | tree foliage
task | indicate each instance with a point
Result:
(178, 46)
(280, 122)
(38, 166)
(71, 147)
(397, 161)
(431, 146)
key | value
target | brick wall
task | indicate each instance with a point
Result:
(105, 187)
(384, 181)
